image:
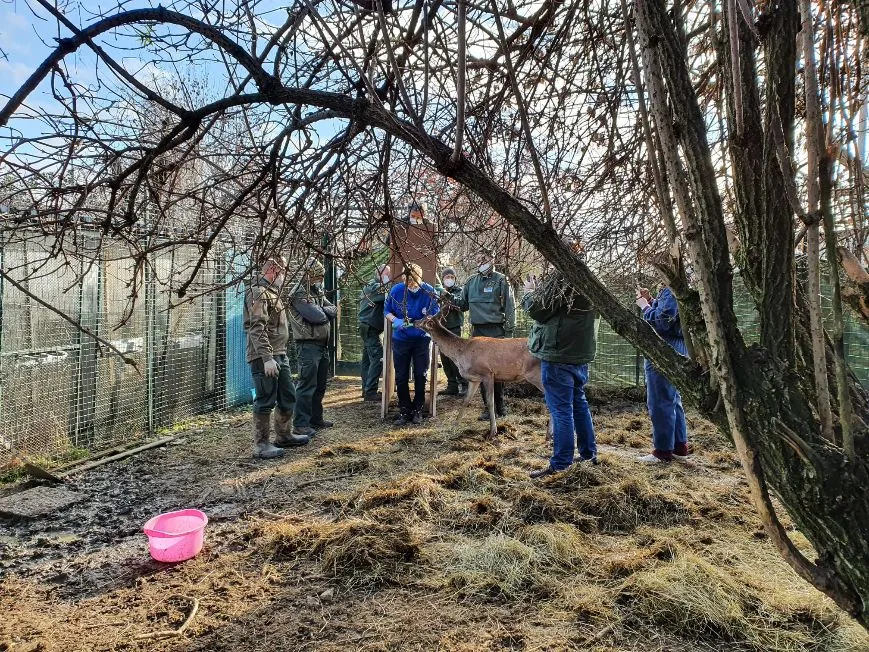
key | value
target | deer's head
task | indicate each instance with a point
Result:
(429, 323)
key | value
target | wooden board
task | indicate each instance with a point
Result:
(388, 372)
(433, 382)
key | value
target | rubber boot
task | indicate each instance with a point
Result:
(283, 435)
(262, 448)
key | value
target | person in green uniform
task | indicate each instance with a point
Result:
(370, 330)
(311, 316)
(451, 297)
(265, 324)
(488, 298)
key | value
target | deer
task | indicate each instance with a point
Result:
(484, 360)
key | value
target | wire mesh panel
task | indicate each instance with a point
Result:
(61, 392)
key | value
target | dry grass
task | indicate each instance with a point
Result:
(439, 540)
(362, 552)
(693, 598)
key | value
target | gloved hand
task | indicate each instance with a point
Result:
(398, 324)
(271, 369)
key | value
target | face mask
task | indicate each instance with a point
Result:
(449, 282)
(384, 279)
(485, 267)
(316, 286)
(414, 290)
(279, 280)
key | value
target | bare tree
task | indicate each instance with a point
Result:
(321, 120)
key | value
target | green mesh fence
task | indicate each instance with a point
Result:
(617, 362)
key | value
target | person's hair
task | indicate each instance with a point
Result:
(414, 271)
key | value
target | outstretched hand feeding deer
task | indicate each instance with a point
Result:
(485, 360)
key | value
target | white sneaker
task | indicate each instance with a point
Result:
(649, 459)
(680, 458)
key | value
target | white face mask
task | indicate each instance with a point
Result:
(414, 290)
(449, 282)
(384, 279)
(485, 267)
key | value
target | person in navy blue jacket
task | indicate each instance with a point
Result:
(407, 302)
(669, 432)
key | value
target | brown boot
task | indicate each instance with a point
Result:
(283, 435)
(262, 448)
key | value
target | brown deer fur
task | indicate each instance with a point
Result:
(485, 360)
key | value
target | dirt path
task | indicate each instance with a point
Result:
(431, 538)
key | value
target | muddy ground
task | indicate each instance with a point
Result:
(423, 538)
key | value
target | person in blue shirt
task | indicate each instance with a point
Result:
(407, 302)
(669, 431)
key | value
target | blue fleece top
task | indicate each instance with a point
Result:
(663, 316)
(419, 304)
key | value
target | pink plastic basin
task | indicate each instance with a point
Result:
(176, 536)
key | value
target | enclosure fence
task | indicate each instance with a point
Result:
(63, 395)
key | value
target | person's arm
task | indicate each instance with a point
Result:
(463, 301)
(309, 312)
(329, 309)
(534, 306)
(663, 313)
(509, 308)
(256, 323)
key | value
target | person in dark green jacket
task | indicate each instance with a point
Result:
(311, 316)
(370, 329)
(564, 338)
(451, 296)
(488, 298)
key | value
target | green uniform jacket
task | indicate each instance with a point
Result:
(455, 318)
(310, 314)
(562, 333)
(265, 322)
(371, 305)
(489, 299)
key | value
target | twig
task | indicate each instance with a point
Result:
(326, 479)
(87, 331)
(166, 633)
(606, 630)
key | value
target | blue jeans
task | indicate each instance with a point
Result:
(564, 390)
(403, 353)
(665, 406)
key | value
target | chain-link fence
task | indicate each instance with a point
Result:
(61, 392)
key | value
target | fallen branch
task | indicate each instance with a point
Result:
(119, 456)
(167, 633)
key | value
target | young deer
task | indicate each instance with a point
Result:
(485, 360)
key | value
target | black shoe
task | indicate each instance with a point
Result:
(321, 425)
(463, 391)
(290, 440)
(417, 418)
(501, 411)
(449, 391)
(483, 417)
(402, 420)
(373, 397)
(542, 473)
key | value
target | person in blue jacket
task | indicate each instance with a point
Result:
(407, 302)
(669, 432)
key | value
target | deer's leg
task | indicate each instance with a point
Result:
(536, 379)
(472, 389)
(490, 403)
